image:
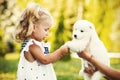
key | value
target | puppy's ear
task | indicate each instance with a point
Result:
(90, 27)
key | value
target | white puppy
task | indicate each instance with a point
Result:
(83, 34)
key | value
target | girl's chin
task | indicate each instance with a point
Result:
(39, 40)
(42, 39)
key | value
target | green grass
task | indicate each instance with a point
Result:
(64, 70)
(68, 70)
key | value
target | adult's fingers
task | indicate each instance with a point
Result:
(90, 69)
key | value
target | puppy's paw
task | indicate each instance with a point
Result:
(68, 44)
(72, 46)
(81, 72)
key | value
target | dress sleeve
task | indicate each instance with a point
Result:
(27, 44)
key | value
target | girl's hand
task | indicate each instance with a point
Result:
(64, 49)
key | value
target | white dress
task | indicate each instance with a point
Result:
(34, 70)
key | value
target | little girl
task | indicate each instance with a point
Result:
(32, 29)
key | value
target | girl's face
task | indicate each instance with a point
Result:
(41, 30)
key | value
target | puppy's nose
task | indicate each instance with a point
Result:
(75, 36)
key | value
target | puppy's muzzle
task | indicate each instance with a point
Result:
(75, 36)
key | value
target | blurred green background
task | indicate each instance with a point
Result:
(105, 14)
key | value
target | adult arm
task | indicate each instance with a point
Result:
(110, 72)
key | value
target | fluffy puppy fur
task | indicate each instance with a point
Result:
(84, 33)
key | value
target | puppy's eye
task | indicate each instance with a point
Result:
(81, 31)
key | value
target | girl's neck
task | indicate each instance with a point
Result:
(32, 37)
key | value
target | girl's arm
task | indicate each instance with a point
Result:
(38, 54)
(110, 72)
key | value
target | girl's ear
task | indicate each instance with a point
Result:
(30, 28)
(34, 28)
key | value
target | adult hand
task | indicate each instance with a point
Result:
(85, 55)
(90, 69)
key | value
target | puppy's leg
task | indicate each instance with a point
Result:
(81, 72)
(87, 76)
(97, 75)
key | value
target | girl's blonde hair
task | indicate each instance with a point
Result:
(33, 14)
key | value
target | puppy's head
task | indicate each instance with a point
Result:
(82, 29)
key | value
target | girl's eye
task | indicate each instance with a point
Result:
(47, 29)
(81, 31)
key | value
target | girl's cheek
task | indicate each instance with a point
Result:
(46, 33)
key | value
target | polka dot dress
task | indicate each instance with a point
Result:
(34, 70)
